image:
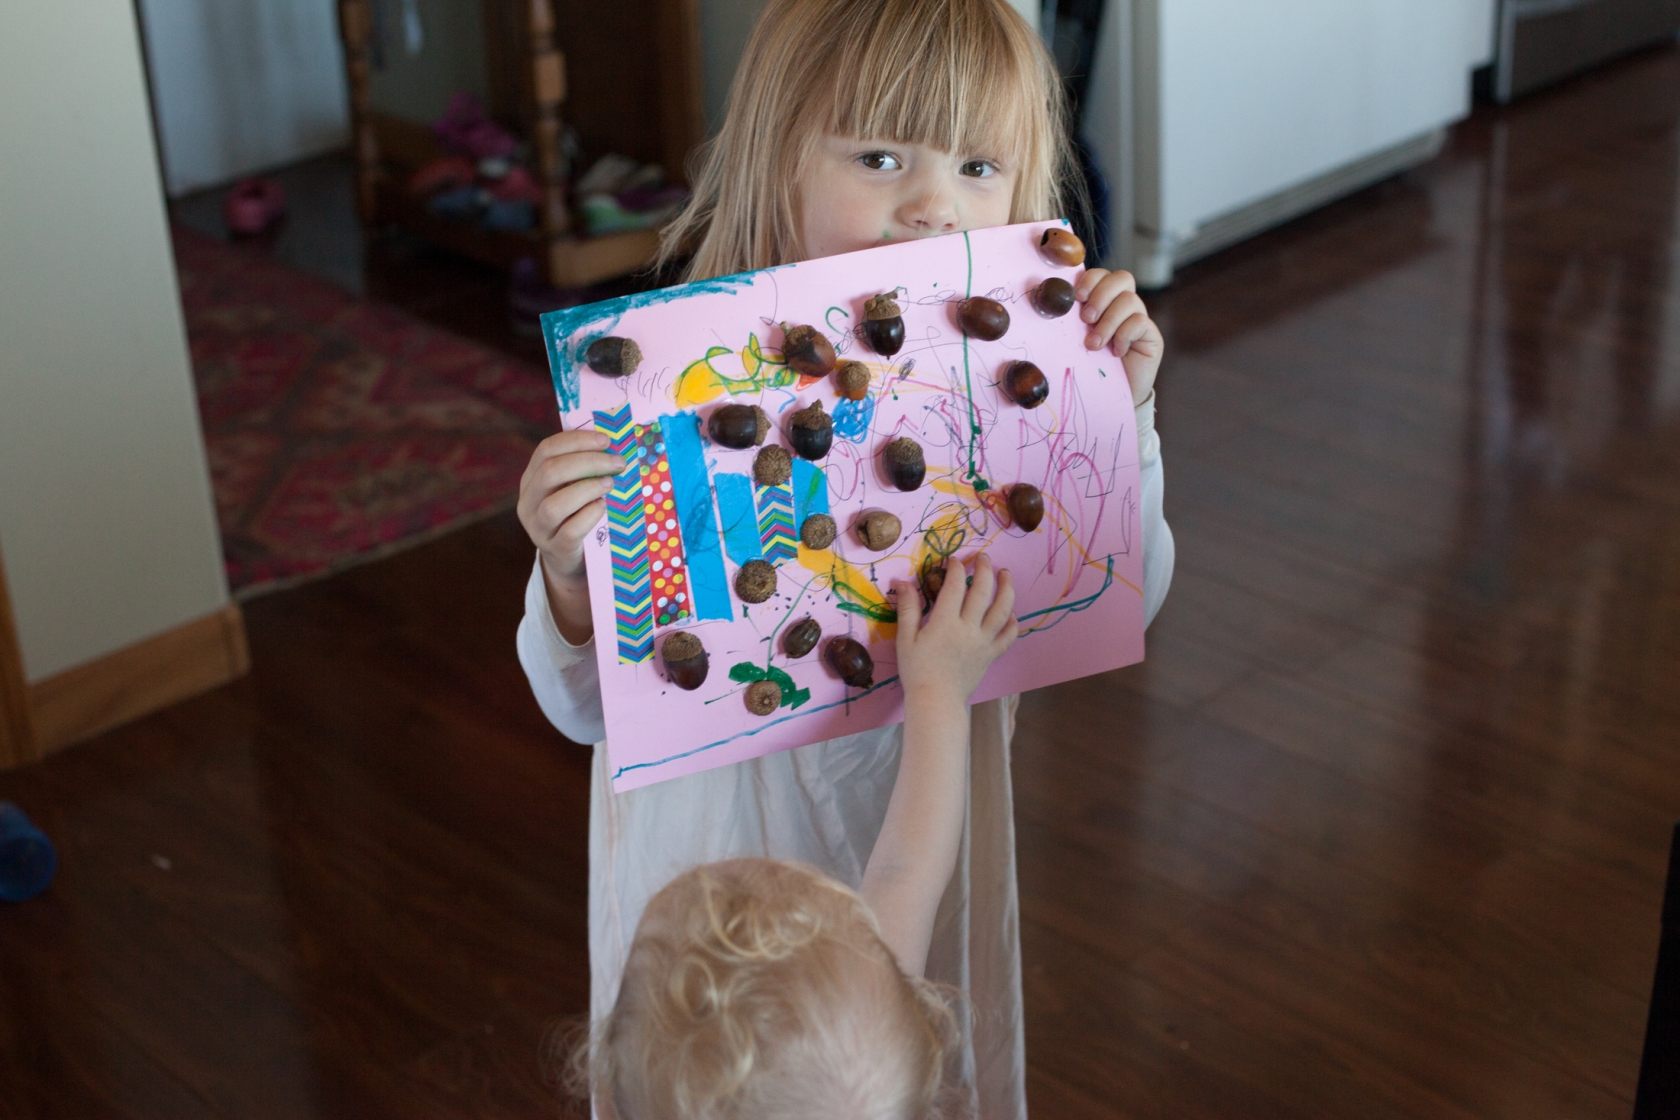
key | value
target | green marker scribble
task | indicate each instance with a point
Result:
(746, 672)
(980, 484)
(854, 601)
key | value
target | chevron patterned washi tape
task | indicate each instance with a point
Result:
(628, 540)
(775, 522)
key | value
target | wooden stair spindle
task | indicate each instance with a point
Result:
(548, 86)
(355, 21)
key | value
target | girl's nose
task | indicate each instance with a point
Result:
(929, 211)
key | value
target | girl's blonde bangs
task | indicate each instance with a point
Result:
(956, 77)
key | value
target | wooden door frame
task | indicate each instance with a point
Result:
(17, 724)
(37, 718)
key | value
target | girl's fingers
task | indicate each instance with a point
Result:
(980, 590)
(1087, 283)
(562, 470)
(1103, 292)
(1125, 306)
(574, 530)
(1002, 607)
(1138, 330)
(565, 503)
(950, 599)
(1006, 638)
(566, 443)
(909, 612)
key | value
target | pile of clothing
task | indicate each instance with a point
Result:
(485, 178)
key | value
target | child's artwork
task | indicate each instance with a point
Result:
(801, 437)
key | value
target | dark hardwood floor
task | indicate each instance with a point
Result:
(1377, 830)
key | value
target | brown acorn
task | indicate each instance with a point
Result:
(1026, 505)
(905, 466)
(738, 426)
(1053, 298)
(807, 350)
(613, 357)
(933, 579)
(1062, 247)
(755, 582)
(848, 658)
(883, 324)
(982, 318)
(1025, 384)
(763, 697)
(685, 660)
(801, 638)
(878, 530)
(818, 532)
(851, 380)
(772, 466)
(811, 432)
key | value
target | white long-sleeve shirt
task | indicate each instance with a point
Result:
(823, 805)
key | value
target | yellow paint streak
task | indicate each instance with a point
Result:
(834, 571)
(710, 377)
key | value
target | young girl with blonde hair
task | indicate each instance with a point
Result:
(851, 123)
(757, 989)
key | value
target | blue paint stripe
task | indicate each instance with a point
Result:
(692, 490)
(810, 491)
(740, 518)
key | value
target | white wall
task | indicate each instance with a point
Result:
(106, 521)
(243, 85)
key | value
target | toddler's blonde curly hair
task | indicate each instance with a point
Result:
(757, 988)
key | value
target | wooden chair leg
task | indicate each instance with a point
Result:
(1658, 1096)
(355, 21)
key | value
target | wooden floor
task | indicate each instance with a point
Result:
(1378, 830)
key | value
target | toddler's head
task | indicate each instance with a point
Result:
(961, 89)
(756, 988)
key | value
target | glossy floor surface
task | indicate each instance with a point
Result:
(1378, 830)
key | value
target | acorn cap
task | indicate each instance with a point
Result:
(902, 450)
(882, 306)
(772, 466)
(852, 379)
(812, 417)
(681, 646)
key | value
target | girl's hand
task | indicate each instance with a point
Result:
(942, 657)
(1119, 319)
(561, 499)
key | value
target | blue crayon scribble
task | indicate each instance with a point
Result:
(851, 419)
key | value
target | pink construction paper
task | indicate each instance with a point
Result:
(1078, 577)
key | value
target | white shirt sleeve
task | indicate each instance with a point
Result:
(1158, 549)
(564, 677)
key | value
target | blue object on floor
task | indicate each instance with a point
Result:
(27, 858)
(456, 202)
(511, 214)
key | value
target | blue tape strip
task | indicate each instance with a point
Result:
(810, 491)
(692, 490)
(740, 518)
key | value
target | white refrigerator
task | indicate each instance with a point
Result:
(1214, 119)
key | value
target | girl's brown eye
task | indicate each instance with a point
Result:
(979, 169)
(879, 161)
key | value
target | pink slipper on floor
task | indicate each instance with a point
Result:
(253, 205)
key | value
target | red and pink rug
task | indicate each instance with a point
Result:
(338, 429)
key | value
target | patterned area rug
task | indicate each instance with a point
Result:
(340, 430)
